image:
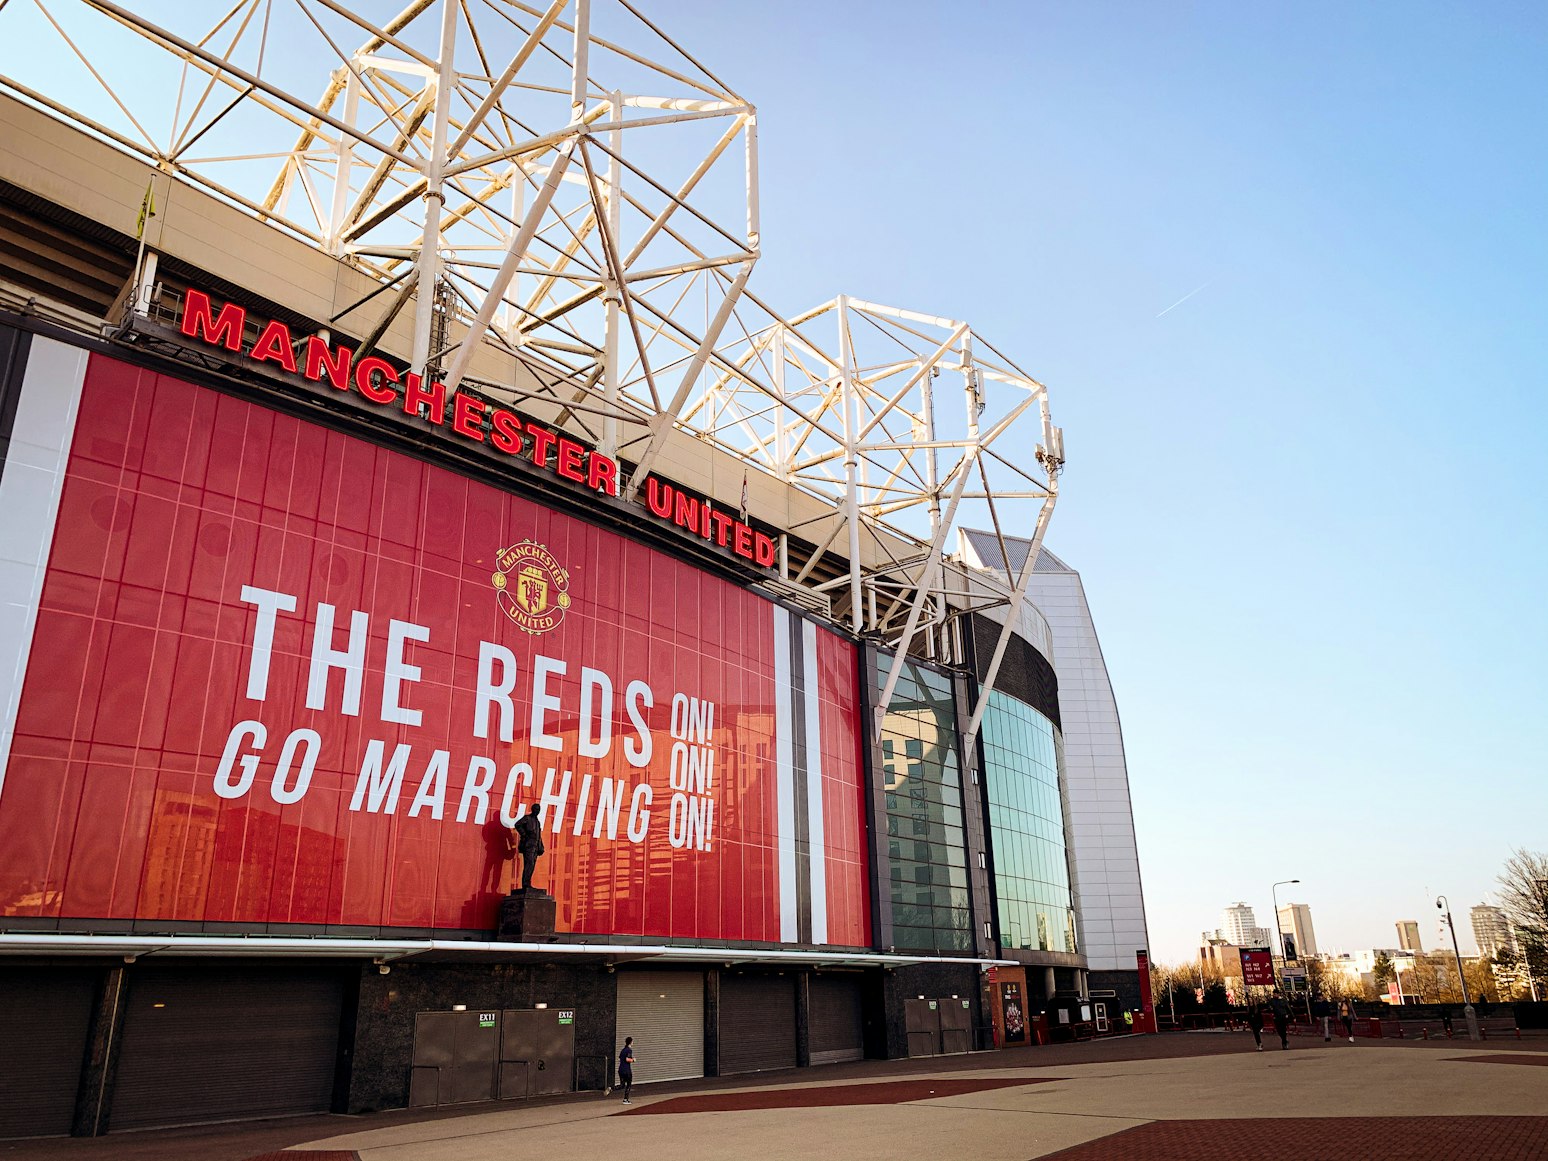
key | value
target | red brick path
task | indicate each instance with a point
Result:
(1324, 1139)
(1505, 1058)
(827, 1096)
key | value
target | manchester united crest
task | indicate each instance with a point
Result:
(532, 588)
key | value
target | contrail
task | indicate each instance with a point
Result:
(1185, 298)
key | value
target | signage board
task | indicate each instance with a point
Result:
(1257, 967)
(462, 415)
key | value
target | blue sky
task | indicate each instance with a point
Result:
(1306, 500)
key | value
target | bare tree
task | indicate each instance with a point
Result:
(1524, 889)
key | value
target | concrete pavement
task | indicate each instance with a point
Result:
(1188, 1097)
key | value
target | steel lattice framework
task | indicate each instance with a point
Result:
(570, 186)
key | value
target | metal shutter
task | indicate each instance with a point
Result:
(837, 1032)
(757, 1023)
(215, 1044)
(44, 1018)
(664, 1012)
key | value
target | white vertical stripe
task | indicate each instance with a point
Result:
(784, 778)
(817, 846)
(29, 508)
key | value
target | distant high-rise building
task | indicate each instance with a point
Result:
(1295, 921)
(1408, 935)
(1491, 929)
(1238, 925)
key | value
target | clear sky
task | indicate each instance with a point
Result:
(1284, 268)
(1307, 502)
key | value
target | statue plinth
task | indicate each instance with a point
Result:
(527, 917)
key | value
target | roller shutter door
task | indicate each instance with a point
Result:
(757, 1023)
(836, 1029)
(44, 1019)
(217, 1044)
(664, 1012)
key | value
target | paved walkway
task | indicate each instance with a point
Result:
(1179, 1097)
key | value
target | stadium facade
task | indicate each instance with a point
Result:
(313, 584)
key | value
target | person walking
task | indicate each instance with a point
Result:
(1281, 1014)
(1255, 1022)
(1346, 1018)
(626, 1066)
(1324, 1011)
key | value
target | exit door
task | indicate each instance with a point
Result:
(537, 1052)
(455, 1054)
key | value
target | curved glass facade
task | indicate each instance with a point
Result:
(1026, 828)
(926, 849)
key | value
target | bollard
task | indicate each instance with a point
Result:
(1425, 1032)
(1518, 1031)
(1483, 1033)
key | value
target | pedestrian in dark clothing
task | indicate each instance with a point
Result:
(626, 1066)
(1324, 1011)
(1281, 1014)
(1346, 1018)
(1255, 1022)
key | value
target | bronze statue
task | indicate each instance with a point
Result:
(529, 845)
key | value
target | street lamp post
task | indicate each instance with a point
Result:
(1278, 926)
(1443, 904)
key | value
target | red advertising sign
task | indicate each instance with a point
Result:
(1257, 967)
(283, 676)
(1145, 1018)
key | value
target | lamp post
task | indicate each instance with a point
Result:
(1443, 904)
(1278, 926)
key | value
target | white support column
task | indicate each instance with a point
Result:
(579, 66)
(612, 291)
(927, 581)
(851, 463)
(507, 271)
(434, 197)
(346, 158)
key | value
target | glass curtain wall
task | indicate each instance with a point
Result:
(927, 853)
(1026, 827)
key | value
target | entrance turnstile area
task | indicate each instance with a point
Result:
(514, 1054)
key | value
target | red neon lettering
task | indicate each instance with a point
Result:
(742, 544)
(686, 513)
(468, 417)
(602, 474)
(317, 361)
(507, 432)
(568, 464)
(415, 392)
(369, 366)
(763, 550)
(542, 440)
(722, 527)
(659, 498)
(275, 344)
(197, 323)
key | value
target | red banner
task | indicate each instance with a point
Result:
(280, 675)
(1145, 1018)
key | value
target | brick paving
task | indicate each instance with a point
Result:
(831, 1095)
(1323, 1139)
(1504, 1058)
